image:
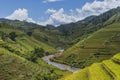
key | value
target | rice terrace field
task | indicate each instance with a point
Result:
(60, 40)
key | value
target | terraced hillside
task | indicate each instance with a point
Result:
(46, 34)
(98, 46)
(23, 44)
(20, 57)
(107, 70)
(19, 41)
(14, 67)
(67, 34)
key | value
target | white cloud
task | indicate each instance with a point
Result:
(98, 7)
(50, 11)
(45, 1)
(57, 17)
(95, 8)
(20, 14)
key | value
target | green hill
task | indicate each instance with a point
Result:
(20, 57)
(46, 34)
(75, 32)
(113, 19)
(14, 67)
(98, 46)
(22, 40)
(94, 39)
(65, 35)
(107, 70)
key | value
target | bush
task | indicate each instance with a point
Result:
(39, 52)
(29, 33)
(31, 57)
(12, 36)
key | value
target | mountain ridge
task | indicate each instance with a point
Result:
(94, 39)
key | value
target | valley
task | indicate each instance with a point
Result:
(85, 50)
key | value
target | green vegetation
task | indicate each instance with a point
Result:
(13, 36)
(113, 19)
(97, 72)
(82, 75)
(107, 70)
(20, 57)
(64, 35)
(94, 39)
(113, 68)
(14, 67)
(98, 46)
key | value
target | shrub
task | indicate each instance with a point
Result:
(12, 36)
(29, 33)
(39, 52)
(31, 57)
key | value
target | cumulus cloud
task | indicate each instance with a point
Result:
(98, 7)
(45, 1)
(20, 14)
(95, 8)
(57, 17)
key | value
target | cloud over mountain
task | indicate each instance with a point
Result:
(59, 16)
(20, 14)
(95, 8)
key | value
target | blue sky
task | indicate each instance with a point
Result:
(54, 12)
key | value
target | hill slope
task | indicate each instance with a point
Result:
(98, 46)
(21, 40)
(14, 67)
(75, 31)
(46, 34)
(107, 70)
(20, 56)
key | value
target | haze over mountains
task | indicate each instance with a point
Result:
(94, 39)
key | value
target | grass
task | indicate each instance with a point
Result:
(17, 63)
(97, 72)
(26, 42)
(114, 68)
(14, 67)
(82, 75)
(14, 58)
(97, 47)
(114, 18)
(30, 43)
(117, 56)
(106, 70)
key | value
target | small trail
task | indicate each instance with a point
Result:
(59, 65)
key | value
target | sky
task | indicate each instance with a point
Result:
(54, 12)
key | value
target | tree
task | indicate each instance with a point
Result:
(12, 36)
(39, 52)
(33, 58)
(29, 33)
